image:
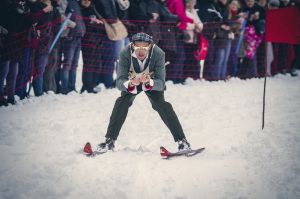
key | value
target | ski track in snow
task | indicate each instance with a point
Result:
(41, 140)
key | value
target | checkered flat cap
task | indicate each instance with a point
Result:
(141, 36)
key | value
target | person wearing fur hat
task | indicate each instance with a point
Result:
(142, 68)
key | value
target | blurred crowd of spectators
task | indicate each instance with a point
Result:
(209, 39)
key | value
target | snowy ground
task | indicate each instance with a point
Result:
(41, 139)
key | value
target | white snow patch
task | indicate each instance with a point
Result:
(41, 139)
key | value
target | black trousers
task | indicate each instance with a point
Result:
(157, 99)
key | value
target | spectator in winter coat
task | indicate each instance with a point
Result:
(145, 62)
(235, 22)
(35, 13)
(168, 30)
(261, 50)
(255, 14)
(14, 18)
(122, 8)
(111, 11)
(175, 69)
(196, 26)
(53, 69)
(91, 46)
(210, 12)
(47, 27)
(252, 39)
(191, 65)
(224, 36)
(71, 49)
(145, 16)
(55, 59)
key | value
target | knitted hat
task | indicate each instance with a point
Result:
(142, 37)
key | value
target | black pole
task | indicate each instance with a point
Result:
(264, 103)
(265, 85)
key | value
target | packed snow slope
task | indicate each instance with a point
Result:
(41, 141)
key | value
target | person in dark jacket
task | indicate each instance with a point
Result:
(168, 31)
(56, 56)
(255, 14)
(71, 49)
(51, 80)
(14, 18)
(145, 16)
(169, 39)
(191, 67)
(91, 46)
(252, 39)
(47, 27)
(111, 11)
(37, 11)
(142, 68)
(223, 37)
(175, 71)
(210, 12)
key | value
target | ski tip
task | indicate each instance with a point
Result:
(164, 152)
(88, 149)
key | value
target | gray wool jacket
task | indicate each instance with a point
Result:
(155, 62)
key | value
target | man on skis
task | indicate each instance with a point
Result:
(142, 68)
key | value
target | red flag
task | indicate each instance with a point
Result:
(283, 25)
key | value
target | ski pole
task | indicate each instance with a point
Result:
(264, 93)
(62, 27)
(264, 103)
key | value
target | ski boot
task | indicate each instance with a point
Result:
(109, 144)
(183, 145)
